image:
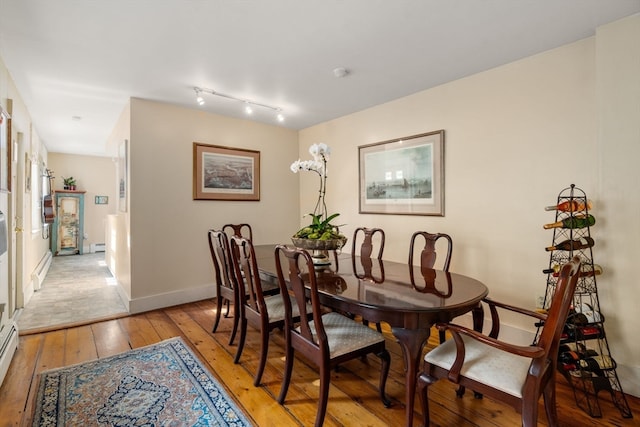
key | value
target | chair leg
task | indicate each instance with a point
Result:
(228, 308)
(236, 320)
(442, 336)
(218, 313)
(529, 412)
(325, 378)
(424, 381)
(288, 367)
(243, 336)
(384, 373)
(264, 349)
(549, 395)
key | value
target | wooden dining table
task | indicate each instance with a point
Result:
(410, 299)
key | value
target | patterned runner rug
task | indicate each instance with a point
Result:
(160, 385)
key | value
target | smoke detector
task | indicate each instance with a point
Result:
(340, 72)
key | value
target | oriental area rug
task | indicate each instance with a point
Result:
(159, 385)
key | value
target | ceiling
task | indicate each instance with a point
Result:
(76, 63)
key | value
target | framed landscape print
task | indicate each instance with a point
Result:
(224, 173)
(403, 176)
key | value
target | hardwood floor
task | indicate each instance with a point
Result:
(353, 395)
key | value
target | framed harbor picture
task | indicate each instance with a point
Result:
(224, 173)
(403, 176)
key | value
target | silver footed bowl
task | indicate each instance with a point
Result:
(317, 244)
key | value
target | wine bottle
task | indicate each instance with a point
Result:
(572, 222)
(588, 270)
(573, 205)
(585, 270)
(572, 245)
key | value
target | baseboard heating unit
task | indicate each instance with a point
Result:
(97, 247)
(41, 271)
(8, 346)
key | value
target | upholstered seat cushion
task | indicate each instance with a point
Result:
(346, 335)
(275, 307)
(485, 364)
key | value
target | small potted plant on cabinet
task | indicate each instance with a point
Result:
(69, 183)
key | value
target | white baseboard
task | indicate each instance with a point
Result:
(124, 297)
(183, 296)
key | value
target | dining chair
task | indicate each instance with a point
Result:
(328, 339)
(240, 230)
(226, 288)
(370, 238)
(514, 374)
(263, 312)
(428, 255)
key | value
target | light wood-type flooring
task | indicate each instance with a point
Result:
(353, 395)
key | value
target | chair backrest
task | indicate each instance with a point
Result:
(245, 265)
(559, 309)
(368, 241)
(428, 254)
(300, 269)
(221, 257)
(371, 237)
(239, 230)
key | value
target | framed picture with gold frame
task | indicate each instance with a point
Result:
(403, 176)
(225, 173)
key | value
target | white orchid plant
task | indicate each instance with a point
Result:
(320, 227)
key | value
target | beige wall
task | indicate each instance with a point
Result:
(96, 176)
(118, 253)
(30, 247)
(515, 136)
(618, 151)
(169, 252)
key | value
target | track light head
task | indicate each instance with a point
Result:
(199, 98)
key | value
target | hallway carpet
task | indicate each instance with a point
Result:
(77, 288)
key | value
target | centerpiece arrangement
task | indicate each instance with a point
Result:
(319, 236)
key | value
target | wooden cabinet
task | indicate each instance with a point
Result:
(67, 234)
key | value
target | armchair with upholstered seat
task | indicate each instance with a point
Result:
(514, 374)
(428, 255)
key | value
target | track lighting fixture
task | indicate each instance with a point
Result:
(248, 104)
(199, 98)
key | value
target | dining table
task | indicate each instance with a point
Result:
(409, 298)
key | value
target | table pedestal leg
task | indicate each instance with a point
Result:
(412, 341)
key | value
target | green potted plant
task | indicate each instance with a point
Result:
(69, 183)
